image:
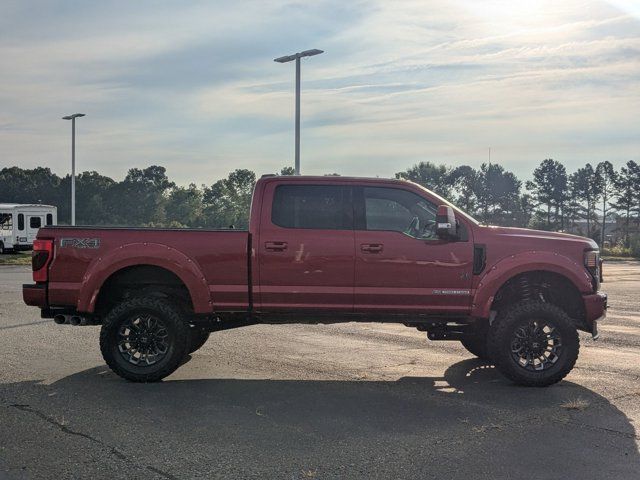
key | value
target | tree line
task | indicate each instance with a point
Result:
(552, 199)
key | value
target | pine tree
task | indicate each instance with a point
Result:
(627, 194)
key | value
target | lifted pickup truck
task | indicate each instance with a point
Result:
(326, 250)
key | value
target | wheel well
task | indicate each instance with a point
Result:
(141, 280)
(549, 287)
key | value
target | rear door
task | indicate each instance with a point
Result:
(20, 230)
(6, 229)
(306, 247)
(401, 266)
(34, 222)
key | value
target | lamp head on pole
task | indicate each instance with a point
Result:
(75, 115)
(295, 56)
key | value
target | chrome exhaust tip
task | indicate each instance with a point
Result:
(60, 319)
(75, 320)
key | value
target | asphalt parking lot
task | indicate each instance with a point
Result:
(315, 402)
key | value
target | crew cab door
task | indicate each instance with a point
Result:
(401, 265)
(305, 247)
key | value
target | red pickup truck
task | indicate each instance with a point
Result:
(326, 250)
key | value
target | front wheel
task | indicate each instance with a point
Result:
(534, 344)
(144, 339)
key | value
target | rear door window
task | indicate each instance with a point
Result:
(324, 207)
(35, 222)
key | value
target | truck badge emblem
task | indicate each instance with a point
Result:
(80, 242)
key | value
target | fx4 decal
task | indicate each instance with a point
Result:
(80, 242)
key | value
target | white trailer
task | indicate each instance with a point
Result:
(19, 224)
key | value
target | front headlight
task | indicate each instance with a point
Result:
(592, 263)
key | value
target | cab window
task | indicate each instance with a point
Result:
(399, 210)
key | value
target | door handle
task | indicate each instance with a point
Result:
(275, 246)
(371, 247)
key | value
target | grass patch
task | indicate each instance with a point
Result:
(16, 259)
(579, 404)
(609, 258)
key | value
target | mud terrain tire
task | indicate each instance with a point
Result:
(119, 338)
(534, 330)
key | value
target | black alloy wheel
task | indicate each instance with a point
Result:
(144, 339)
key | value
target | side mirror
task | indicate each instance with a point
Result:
(446, 226)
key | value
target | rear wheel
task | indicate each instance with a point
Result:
(475, 340)
(144, 339)
(534, 344)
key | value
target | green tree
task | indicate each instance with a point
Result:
(606, 176)
(585, 191)
(498, 194)
(627, 195)
(91, 192)
(141, 197)
(38, 185)
(526, 210)
(227, 201)
(436, 178)
(288, 171)
(465, 182)
(549, 190)
(184, 206)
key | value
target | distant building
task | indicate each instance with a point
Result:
(614, 231)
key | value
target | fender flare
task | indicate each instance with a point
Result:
(513, 265)
(135, 254)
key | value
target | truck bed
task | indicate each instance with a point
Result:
(217, 257)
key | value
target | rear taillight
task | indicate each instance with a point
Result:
(40, 259)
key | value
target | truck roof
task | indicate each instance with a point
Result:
(330, 178)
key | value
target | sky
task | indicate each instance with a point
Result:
(192, 86)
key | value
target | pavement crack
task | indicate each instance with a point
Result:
(604, 429)
(19, 325)
(69, 431)
(161, 473)
(52, 421)
(626, 395)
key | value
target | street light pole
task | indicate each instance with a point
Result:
(297, 164)
(73, 163)
(289, 58)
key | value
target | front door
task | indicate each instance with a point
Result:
(401, 265)
(306, 248)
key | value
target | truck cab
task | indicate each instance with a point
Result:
(327, 250)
